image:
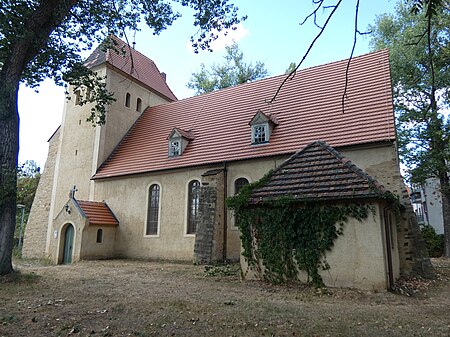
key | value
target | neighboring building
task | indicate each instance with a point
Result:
(163, 168)
(427, 204)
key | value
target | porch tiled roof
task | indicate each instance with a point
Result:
(309, 107)
(318, 172)
(98, 213)
(132, 63)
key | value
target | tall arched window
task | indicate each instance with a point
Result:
(99, 235)
(138, 105)
(153, 210)
(128, 100)
(193, 206)
(238, 184)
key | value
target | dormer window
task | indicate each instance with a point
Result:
(259, 134)
(262, 126)
(175, 148)
(178, 140)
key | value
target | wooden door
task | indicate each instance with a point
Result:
(68, 245)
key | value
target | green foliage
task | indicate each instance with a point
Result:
(28, 175)
(287, 236)
(222, 270)
(51, 35)
(291, 68)
(434, 241)
(93, 90)
(420, 75)
(231, 73)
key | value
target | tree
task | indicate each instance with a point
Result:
(43, 38)
(418, 37)
(28, 176)
(233, 72)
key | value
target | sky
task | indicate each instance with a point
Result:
(271, 34)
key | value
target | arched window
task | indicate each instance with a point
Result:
(193, 206)
(238, 184)
(128, 100)
(77, 97)
(138, 105)
(153, 210)
(99, 235)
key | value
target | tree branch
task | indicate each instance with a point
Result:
(293, 72)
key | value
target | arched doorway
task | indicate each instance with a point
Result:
(68, 244)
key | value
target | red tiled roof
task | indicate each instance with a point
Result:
(307, 108)
(186, 134)
(133, 63)
(98, 213)
(318, 172)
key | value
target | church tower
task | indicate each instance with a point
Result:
(136, 84)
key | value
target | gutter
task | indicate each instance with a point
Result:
(388, 234)
(225, 213)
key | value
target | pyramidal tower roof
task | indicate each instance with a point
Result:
(318, 172)
(131, 62)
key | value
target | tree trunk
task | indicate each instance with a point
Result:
(37, 29)
(9, 149)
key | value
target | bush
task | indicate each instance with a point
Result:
(434, 241)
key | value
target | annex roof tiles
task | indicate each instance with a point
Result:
(132, 62)
(308, 107)
(318, 172)
(98, 213)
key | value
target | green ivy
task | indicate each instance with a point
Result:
(287, 236)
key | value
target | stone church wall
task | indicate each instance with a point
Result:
(36, 229)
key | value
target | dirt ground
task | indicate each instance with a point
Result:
(141, 298)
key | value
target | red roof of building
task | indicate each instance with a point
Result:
(133, 63)
(307, 108)
(98, 213)
(318, 172)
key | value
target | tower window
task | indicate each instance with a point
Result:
(128, 100)
(138, 105)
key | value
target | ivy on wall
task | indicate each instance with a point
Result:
(286, 236)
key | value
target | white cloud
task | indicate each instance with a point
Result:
(232, 35)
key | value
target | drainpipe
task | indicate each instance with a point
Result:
(225, 213)
(387, 230)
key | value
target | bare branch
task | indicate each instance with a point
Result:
(293, 72)
(355, 35)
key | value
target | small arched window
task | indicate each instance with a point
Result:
(238, 184)
(193, 206)
(153, 210)
(99, 235)
(128, 100)
(138, 105)
(77, 97)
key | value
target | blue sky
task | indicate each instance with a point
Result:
(271, 34)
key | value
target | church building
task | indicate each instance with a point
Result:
(152, 181)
